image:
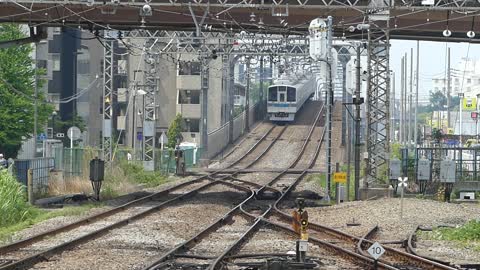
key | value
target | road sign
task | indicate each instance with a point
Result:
(74, 133)
(41, 136)
(340, 177)
(469, 104)
(402, 182)
(376, 250)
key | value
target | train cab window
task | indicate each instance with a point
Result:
(272, 94)
(291, 97)
(282, 97)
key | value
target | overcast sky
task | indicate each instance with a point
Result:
(432, 60)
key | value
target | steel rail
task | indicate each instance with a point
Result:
(36, 238)
(364, 260)
(368, 236)
(38, 257)
(252, 148)
(33, 239)
(217, 224)
(33, 259)
(302, 150)
(425, 263)
(260, 219)
(272, 142)
(411, 249)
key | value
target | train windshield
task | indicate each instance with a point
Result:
(272, 94)
(291, 97)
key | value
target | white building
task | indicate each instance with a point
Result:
(464, 78)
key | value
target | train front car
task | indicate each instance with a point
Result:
(286, 98)
(281, 104)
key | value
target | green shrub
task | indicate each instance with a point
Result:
(468, 232)
(136, 174)
(13, 205)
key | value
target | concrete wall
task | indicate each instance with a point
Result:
(218, 139)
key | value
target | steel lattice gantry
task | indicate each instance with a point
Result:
(107, 99)
(378, 88)
(149, 113)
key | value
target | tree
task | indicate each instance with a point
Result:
(17, 81)
(438, 100)
(174, 131)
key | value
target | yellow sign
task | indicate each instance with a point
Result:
(469, 103)
(340, 177)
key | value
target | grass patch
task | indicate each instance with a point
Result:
(136, 174)
(466, 235)
(13, 205)
(6, 232)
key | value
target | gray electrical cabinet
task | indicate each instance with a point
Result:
(423, 169)
(395, 169)
(447, 171)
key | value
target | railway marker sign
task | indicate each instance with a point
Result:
(376, 251)
(340, 177)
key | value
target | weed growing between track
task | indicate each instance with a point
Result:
(467, 235)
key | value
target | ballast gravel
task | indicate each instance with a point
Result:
(386, 214)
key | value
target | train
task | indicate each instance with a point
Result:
(287, 95)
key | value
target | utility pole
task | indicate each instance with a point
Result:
(392, 109)
(448, 89)
(357, 124)
(35, 106)
(415, 136)
(405, 101)
(247, 98)
(402, 120)
(263, 104)
(329, 105)
(410, 103)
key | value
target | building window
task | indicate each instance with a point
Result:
(469, 80)
(56, 62)
(188, 97)
(189, 68)
(191, 125)
(83, 66)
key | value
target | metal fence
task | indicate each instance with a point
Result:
(75, 162)
(41, 168)
(466, 159)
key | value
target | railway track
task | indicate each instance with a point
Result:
(85, 229)
(176, 257)
(235, 218)
(122, 215)
(411, 248)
